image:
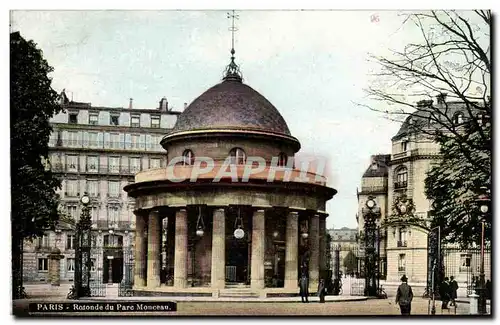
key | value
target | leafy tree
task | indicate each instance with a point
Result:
(33, 188)
(350, 262)
(454, 185)
(452, 63)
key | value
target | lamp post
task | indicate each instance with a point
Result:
(82, 251)
(370, 214)
(483, 202)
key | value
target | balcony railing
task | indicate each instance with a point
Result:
(400, 155)
(115, 225)
(127, 145)
(98, 169)
(403, 184)
(402, 243)
(401, 268)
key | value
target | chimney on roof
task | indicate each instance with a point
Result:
(425, 103)
(130, 106)
(185, 106)
(163, 104)
(441, 98)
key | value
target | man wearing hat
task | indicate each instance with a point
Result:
(404, 296)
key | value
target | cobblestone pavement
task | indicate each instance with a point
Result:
(351, 308)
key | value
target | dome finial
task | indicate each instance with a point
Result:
(232, 71)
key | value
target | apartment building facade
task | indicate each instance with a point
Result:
(401, 174)
(98, 150)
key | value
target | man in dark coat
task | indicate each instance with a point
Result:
(404, 296)
(304, 288)
(444, 292)
(453, 291)
(321, 290)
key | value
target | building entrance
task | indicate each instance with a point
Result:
(237, 261)
(112, 269)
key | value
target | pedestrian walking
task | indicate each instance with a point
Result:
(488, 289)
(304, 288)
(453, 291)
(404, 296)
(321, 290)
(444, 292)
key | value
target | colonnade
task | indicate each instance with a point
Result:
(148, 249)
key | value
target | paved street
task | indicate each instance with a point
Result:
(367, 307)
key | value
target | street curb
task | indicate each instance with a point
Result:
(216, 300)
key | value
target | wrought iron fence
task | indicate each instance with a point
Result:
(464, 266)
(349, 267)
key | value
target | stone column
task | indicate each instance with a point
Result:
(218, 276)
(322, 246)
(181, 249)
(314, 254)
(154, 250)
(170, 249)
(55, 267)
(292, 244)
(140, 250)
(258, 248)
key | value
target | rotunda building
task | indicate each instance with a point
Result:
(230, 214)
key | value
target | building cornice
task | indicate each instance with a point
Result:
(230, 132)
(89, 107)
(413, 158)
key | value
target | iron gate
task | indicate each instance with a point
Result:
(125, 286)
(111, 266)
(464, 265)
(349, 267)
(97, 285)
(461, 264)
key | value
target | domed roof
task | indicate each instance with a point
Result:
(231, 105)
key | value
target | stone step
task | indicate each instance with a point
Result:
(238, 295)
(237, 292)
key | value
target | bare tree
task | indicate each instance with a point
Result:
(452, 62)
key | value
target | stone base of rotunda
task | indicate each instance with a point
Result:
(247, 292)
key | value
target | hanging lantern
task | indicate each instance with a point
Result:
(304, 229)
(200, 225)
(238, 224)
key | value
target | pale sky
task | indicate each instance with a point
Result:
(312, 65)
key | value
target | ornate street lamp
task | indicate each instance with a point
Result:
(483, 201)
(82, 252)
(370, 215)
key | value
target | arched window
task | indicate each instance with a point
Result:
(458, 118)
(401, 179)
(188, 158)
(282, 159)
(402, 238)
(238, 156)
